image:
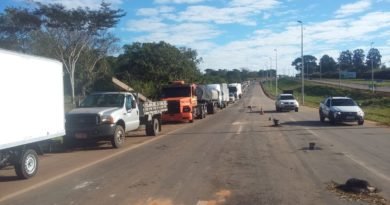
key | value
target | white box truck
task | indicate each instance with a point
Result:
(32, 104)
(236, 89)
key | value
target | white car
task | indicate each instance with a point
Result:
(286, 102)
(341, 109)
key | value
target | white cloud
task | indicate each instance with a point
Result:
(178, 1)
(151, 12)
(93, 4)
(349, 9)
(183, 34)
(237, 12)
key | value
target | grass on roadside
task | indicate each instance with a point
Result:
(375, 106)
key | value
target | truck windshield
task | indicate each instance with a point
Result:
(172, 92)
(103, 100)
(343, 102)
(232, 89)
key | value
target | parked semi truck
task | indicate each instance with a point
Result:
(208, 96)
(32, 109)
(110, 115)
(235, 88)
(182, 102)
(225, 94)
(217, 87)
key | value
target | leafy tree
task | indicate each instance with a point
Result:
(309, 63)
(16, 27)
(67, 34)
(328, 64)
(345, 60)
(373, 57)
(147, 66)
(358, 60)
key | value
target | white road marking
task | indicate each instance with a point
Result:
(239, 130)
(202, 203)
(376, 172)
(361, 163)
(122, 151)
(82, 185)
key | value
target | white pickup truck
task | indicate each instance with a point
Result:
(109, 115)
(341, 109)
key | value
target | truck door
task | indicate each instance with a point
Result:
(132, 113)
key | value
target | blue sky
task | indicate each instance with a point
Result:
(251, 34)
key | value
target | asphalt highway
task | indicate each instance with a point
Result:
(236, 156)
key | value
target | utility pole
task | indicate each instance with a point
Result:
(276, 71)
(303, 66)
(372, 70)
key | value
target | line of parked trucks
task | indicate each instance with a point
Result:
(100, 116)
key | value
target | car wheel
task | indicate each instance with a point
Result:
(361, 122)
(296, 109)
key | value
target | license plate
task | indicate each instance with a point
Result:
(80, 135)
(350, 117)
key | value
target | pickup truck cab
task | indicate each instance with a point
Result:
(109, 115)
(341, 109)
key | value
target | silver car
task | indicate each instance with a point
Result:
(286, 102)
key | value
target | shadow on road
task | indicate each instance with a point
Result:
(311, 123)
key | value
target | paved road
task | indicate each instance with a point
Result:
(352, 85)
(233, 157)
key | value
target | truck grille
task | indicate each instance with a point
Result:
(173, 107)
(82, 120)
(348, 116)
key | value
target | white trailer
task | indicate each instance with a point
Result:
(236, 89)
(32, 106)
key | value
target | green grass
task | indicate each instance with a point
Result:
(375, 106)
(363, 82)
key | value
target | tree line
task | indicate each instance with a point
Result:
(83, 41)
(355, 61)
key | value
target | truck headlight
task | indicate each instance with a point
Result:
(336, 114)
(186, 109)
(107, 119)
(360, 113)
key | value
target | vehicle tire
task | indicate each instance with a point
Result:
(153, 128)
(331, 119)
(118, 138)
(27, 165)
(322, 117)
(361, 122)
(296, 109)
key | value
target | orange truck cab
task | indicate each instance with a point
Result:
(182, 102)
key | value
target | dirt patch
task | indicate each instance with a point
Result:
(357, 194)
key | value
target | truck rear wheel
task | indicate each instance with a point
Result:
(153, 128)
(118, 138)
(27, 166)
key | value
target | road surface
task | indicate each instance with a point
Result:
(352, 85)
(233, 157)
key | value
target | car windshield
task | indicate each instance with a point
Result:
(286, 97)
(343, 102)
(103, 100)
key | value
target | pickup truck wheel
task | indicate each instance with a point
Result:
(361, 122)
(322, 118)
(28, 164)
(331, 119)
(118, 138)
(153, 128)
(296, 109)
